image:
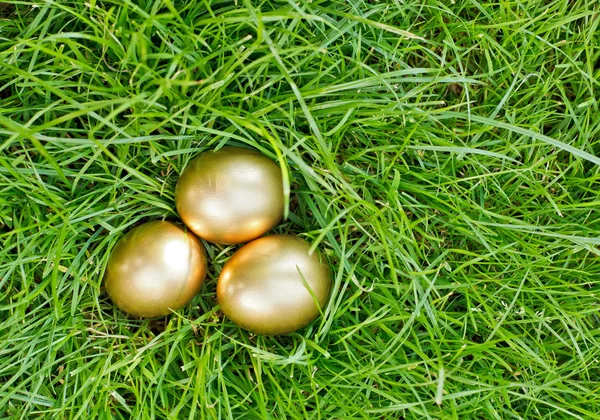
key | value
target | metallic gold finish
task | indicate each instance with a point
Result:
(230, 196)
(272, 285)
(155, 268)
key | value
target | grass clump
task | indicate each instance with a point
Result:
(443, 156)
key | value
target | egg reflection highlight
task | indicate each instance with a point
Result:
(273, 286)
(154, 269)
(230, 196)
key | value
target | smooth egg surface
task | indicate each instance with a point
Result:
(230, 196)
(273, 286)
(154, 269)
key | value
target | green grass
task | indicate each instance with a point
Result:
(444, 155)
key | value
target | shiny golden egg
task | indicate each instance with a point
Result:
(273, 286)
(230, 196)
(154, 269)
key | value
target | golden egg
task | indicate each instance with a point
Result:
(273, 285)
(154, 269)
(230, 196)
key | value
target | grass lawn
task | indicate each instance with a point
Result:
(443, 154)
